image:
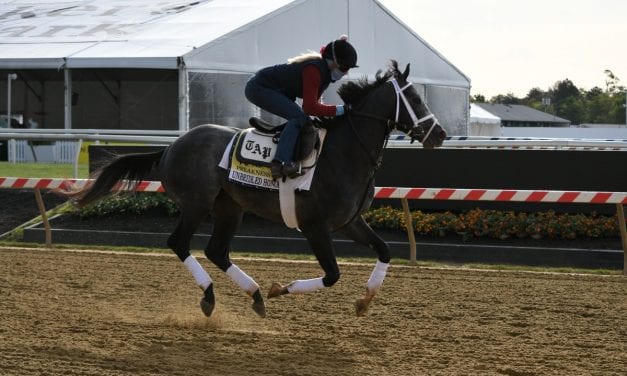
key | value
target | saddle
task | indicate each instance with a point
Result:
(248, 156)
(308, 139)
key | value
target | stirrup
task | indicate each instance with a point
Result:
(293, 170)
(276, 169)
(281, 170)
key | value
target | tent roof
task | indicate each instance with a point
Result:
(479, 115)
(218, 35)
(114, 33)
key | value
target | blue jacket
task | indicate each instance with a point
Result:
(288, 78)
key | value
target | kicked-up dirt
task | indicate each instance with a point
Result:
(90, 313)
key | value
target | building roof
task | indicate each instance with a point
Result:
(218, 35)
(520, 113)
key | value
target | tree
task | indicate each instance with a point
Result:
(477, 98)
(593, 93)
(534, 99)
(534, 95)
(611, 81)
(510, 98)
(577, 105)
(562, 90)
(573, 109)
(617, 112)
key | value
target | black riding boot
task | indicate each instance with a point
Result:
(281, 169)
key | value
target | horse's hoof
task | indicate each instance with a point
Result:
(207, 307)
(276, 290)
(260, 309)
(258, 305)
(362, 305)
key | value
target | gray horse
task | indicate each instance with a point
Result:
(342, 188)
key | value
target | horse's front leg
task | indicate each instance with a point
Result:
(320, 241)
(359, 231)
(372, 287)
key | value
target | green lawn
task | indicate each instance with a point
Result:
(42, 170)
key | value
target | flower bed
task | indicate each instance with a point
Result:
(498, 224)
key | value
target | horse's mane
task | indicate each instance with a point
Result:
(354, 92)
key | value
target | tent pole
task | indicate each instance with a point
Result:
(67, 79)
(183, 120)
(11, 143)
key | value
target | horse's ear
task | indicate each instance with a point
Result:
(393, 65)
(406, 73)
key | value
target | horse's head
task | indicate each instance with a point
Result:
(412, 115)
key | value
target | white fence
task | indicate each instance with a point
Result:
(63, 145)
(65, 151)
(56, 152)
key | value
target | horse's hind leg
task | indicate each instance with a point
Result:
(359, 231)
(227, 216)
(179, 241)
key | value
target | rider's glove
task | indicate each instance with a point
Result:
(342, 109)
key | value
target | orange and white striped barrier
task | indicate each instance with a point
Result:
(502, 195)
(64, 184)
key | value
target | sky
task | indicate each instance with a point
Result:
(512, 46)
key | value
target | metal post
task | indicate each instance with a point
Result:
(409, 226)
(183, 120)
(12, 150)
(623, 234)
(67, 78)
(77, 155)
(12, 146)
(10, 77)
(44, 217)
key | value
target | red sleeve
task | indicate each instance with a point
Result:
(311, 84)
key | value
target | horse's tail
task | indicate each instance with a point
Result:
(130, 167)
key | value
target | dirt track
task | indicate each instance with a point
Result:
(71, 313)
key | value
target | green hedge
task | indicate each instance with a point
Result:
(133, 204)
(472, 223)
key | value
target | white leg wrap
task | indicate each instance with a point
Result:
(242, 279)
(377, 276)
(303, 286)
(200, 275)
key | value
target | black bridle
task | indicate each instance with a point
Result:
(416, 132)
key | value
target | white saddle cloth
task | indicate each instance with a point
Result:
(247, 161)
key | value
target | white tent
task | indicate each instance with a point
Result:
(483, 123)
(211, 46)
